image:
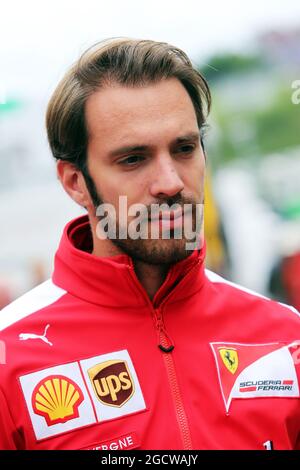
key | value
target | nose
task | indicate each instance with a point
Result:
(166, 180)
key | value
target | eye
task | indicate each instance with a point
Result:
(131, 160)
(185, 149)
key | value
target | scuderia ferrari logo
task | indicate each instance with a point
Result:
(112, 382)
(255, 370)
(230, 359)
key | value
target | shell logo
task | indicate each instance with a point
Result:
(57, 399)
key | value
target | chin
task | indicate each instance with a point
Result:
(155, 251)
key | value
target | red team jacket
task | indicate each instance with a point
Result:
(89, 362)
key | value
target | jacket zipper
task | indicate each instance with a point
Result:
(166, 345)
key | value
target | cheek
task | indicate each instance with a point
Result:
(108, 191)
(194, 178)
(122, 192)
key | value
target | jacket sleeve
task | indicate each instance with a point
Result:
(7, 428)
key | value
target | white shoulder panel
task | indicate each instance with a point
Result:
(213, 277)
(40, 297)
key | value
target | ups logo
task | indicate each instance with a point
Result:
(112, 382)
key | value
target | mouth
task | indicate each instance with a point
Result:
(170, 220)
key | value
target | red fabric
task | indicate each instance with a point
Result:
(291, 279)
(105, 309)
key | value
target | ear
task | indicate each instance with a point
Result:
(73, 182)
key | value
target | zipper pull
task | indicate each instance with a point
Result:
(165, 343)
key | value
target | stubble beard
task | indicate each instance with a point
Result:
(158, 251)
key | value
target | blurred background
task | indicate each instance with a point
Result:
(250, 54)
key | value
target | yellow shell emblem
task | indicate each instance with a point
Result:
(230, 359)
(57, 399)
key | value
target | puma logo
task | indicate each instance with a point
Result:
(24, 336)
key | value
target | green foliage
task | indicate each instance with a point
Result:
(273, 127)
(222, 65)
(278, 126)
(252, 107)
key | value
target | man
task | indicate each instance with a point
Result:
(132, 344)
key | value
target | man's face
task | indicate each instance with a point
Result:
(144, 144)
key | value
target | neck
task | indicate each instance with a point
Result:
(150, 276)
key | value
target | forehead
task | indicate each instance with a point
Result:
(120, 113)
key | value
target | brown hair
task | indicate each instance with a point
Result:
(125, 61)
